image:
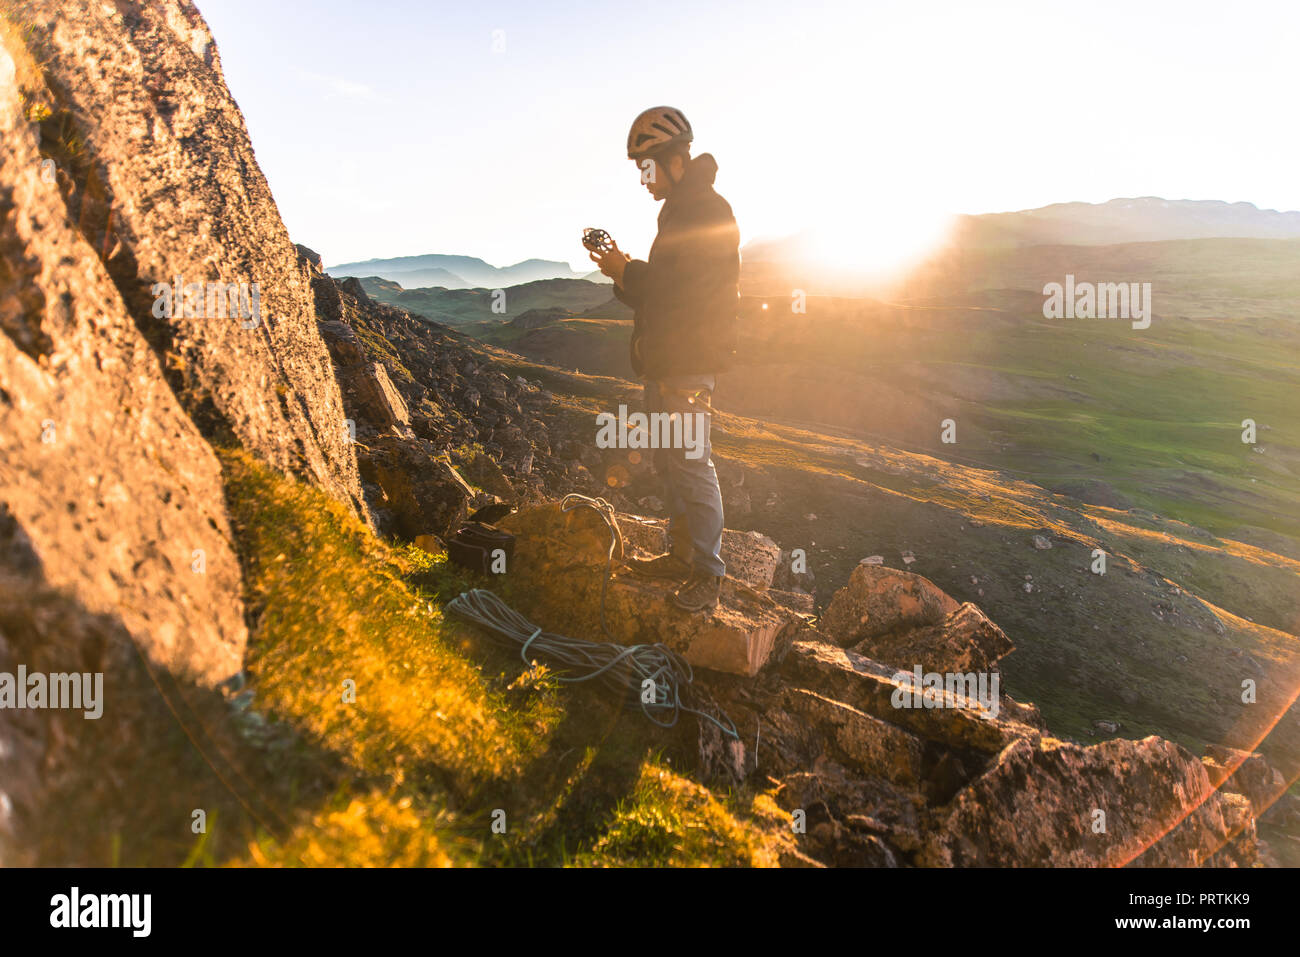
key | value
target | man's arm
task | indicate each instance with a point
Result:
(613, 263)
(630, 298)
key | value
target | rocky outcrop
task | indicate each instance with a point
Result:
(1245, 773)
(1057, 804)
(882, 772)
(405, 378)
(880, 600)
(881, 778)
(161, 182)
(368, 393)
(558, 571)
(412, 489)
(114, 539)
(963, 642)
(406, 428)
(954, 784)
(102, 473)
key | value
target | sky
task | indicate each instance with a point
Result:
(498, 130)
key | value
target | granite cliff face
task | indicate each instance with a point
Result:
(159, 177)
(125, 168)
(107, 482)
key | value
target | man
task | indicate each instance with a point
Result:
(684, 298)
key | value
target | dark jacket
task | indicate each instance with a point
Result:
(685, 295)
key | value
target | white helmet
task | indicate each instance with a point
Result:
(657, 128)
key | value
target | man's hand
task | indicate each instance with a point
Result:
(612, 263)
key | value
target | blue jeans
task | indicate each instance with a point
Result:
(690, 480)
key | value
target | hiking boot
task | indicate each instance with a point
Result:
(665, 566)
(698, 592)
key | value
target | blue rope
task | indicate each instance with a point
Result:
(523, 652)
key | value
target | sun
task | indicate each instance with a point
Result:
(876, 244)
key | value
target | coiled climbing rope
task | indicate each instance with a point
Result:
(621, 668)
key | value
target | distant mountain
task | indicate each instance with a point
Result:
(532, 270)
(420, 278)
(459, 306)
(454, 272)
(381, 288)
(772, 265)
(1193, 278)
(1139, 220)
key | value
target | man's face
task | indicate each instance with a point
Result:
(660, 175)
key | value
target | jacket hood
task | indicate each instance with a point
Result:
(701, 172)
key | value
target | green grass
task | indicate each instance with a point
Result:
(445, 729)
(335, 608)
(670, 820)
(374, 829)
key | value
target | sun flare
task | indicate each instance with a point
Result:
(875, 245)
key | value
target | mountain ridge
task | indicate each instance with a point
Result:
(454, 271)
(1113, 222)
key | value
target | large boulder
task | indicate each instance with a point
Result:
(164, 187)
(964, 641)
(1049, 803)
(556, 576)
(1246, 773)
(880, 600)
(421, 489)
(860, 739)
(888, 693)
(114, 538)
(102, 472)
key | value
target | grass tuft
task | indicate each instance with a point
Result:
(358, 659)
